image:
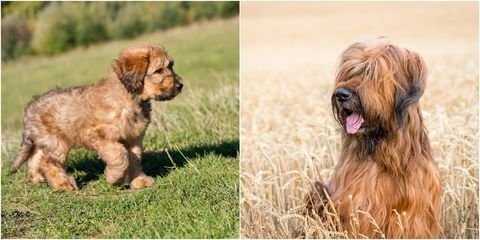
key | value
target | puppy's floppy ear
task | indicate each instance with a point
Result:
(414, 71)
(131, 67)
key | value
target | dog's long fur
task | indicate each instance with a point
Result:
(109, 117)
(385, 170)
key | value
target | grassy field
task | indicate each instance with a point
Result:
(289, 136)
(191, 147)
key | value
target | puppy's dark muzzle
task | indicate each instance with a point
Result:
(165, 97)
(343, 94)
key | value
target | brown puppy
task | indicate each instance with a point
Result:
(109, 117)
(385, 170)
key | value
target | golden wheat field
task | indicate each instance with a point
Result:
(288, 135)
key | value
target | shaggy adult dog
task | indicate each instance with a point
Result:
(386, 183)
(109, 117)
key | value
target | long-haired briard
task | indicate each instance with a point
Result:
(386, 183)
(109, 117)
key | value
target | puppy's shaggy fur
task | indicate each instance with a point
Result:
(109, 117)
(386, 183)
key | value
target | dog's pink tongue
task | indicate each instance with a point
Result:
(354, 121)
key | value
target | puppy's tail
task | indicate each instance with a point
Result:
(23, 154)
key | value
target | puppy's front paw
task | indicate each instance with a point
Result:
(142, 181)
(115, 175)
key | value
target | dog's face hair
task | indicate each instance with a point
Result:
(147, 71)
(377, 85)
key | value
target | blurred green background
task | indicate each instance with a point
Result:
(48, 28)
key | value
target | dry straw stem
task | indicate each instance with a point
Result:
(289, 138)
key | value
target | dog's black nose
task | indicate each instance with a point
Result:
(343, 94)
(179, 86)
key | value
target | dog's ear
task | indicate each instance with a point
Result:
(414, 76)
(131, 68)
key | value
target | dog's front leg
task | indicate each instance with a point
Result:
(137, 178)
(317, 199)
(115, 156)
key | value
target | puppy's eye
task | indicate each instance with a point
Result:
(159, 71)
(170, 65)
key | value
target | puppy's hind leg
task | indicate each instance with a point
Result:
(34, 173)
(52, 164)
(31, 153)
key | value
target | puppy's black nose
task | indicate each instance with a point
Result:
(179, 86)
(343, 94)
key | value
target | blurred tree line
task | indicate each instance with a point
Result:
(48, 28)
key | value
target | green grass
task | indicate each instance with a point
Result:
(191, 147)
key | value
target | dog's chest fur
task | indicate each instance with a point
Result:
(134, 121)
(123, 121)
(367, 183)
